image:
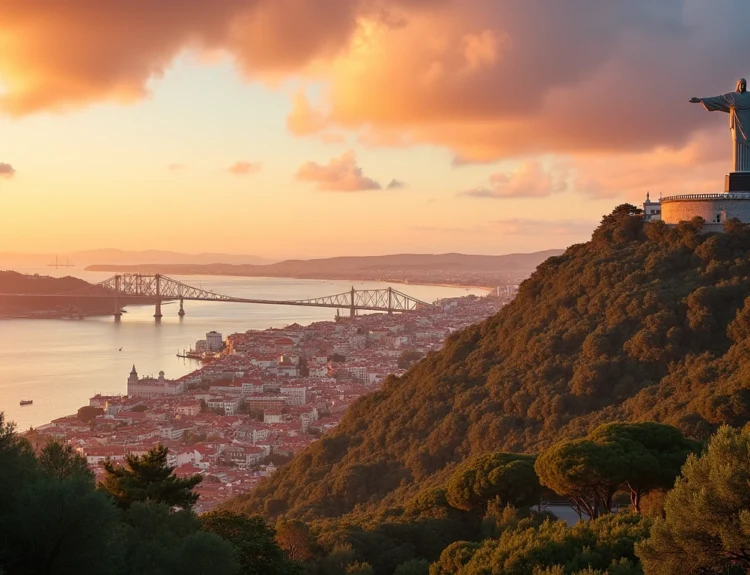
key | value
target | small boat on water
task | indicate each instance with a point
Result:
(27, 401)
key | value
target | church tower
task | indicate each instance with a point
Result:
(132, 379)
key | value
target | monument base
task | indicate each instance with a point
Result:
(737, 182)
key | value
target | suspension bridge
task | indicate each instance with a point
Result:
(139, 289)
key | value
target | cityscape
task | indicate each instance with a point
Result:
(263, 397)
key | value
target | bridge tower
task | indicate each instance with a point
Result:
(181, 313)
(118, 310)
(353, 309)
(390, 300)
(157, 313)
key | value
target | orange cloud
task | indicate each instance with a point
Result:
(530, 180)
(6, 171)
(484, 78)
(304, 119)
(340, 175)
(244, 168)
(176, 167)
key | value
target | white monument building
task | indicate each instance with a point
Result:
(150, 387)
(734, 202)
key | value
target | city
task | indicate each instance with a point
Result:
(264, 396)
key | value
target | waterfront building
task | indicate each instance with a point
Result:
(150, 387)
(214, 341)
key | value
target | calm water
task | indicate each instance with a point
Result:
(61, 363)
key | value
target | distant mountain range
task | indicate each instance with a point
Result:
(347, 265)
(123, 257)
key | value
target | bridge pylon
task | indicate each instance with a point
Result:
(116, 300)
(157, 312)
(181, 313)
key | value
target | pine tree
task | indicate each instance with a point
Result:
(149, 478)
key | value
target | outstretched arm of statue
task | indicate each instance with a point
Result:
(721, 103)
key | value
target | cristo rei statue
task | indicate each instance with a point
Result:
(737, 105)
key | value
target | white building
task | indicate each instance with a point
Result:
(651, 210)
(214, 341)
(230, 405)
(295, 395)
(150, 387)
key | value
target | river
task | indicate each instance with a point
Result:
(59, 364)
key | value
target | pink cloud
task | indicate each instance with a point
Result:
(341, 174)
(244, 168)
(6, 171)
(530, 180)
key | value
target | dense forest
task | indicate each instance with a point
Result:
(643, 322)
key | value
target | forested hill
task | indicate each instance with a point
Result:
(642, 322)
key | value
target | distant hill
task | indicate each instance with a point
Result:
(15, 283)
(643, 322)
(425, 268)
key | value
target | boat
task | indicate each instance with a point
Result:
(27, 401)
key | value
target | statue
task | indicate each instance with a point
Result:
(737, 105)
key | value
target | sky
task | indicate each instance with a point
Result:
(315, 128)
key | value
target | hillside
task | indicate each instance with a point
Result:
(18, 306)
(642, 322)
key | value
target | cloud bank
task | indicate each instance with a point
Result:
(485, 79)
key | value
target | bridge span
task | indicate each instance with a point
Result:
(141, 289)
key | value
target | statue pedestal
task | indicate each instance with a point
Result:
(737, 182)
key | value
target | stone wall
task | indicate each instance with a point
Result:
(678, 209)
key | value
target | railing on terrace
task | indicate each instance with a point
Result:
(729, 196)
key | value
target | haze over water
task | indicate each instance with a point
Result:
(61, 363)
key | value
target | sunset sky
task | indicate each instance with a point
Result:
(303, 128)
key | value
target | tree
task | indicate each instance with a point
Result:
(60, 526)
(651, 454)
(586, 472)
(707, 524)
(149, 478)
(258, 552)
(408, 357)
(505, 476)
(153, 539)
(62, 462)
(294, 538)
(413, 567)
(87, 413)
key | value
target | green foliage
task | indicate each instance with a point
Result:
(253, 539)
(551, 548)
(88, 413)
(60, 526)
(707, 523)
(148, 478)
(644, 322)
(508, 477)
(586, 472)
(408, 357)
(154, 540)
(413, 567)
(54, 520)
(61, 462)
(651, 454)
(640, 457)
